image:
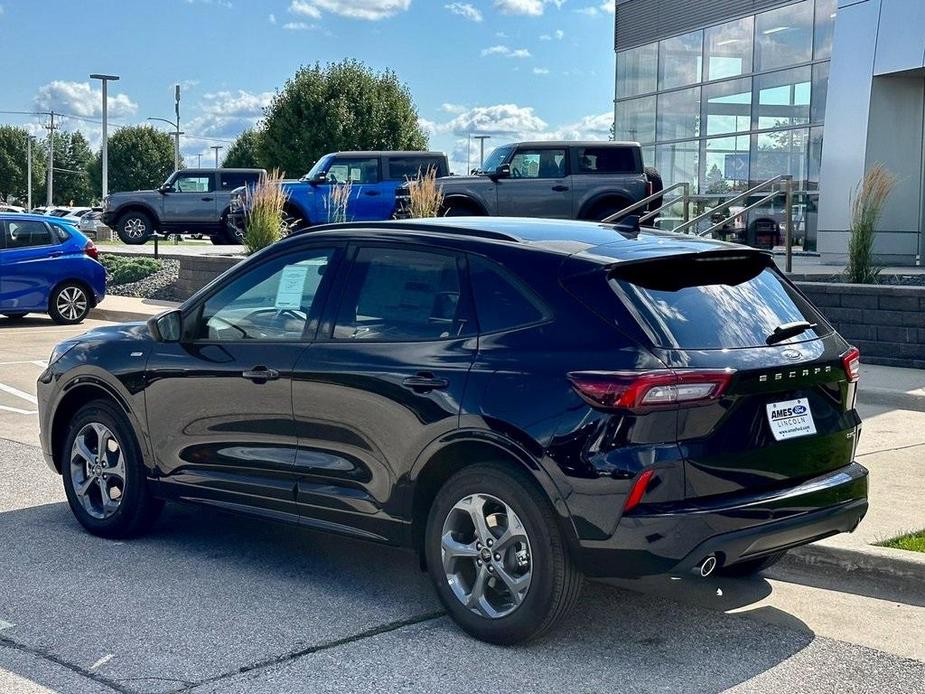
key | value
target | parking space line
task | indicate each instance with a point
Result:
(19, 393)
(16, 410)
(100, 663)
(37, 362)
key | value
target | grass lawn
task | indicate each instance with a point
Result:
(913, 541)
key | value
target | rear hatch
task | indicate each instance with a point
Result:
(787, 412)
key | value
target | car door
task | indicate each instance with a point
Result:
(387, 380)
(219, 401)
(30, 264)
(191, 201)
(365, 201)
(539, 184)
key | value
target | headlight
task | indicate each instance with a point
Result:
(59, 350)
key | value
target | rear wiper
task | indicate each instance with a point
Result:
(782, 332)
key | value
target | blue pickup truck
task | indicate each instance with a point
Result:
(374, 178)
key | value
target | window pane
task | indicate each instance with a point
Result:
(26, 234)
(679, 114)
(727, 107)
(636, 70)
(783, 98)
(825, 27)
(820, 91)
(780, 152)
(680, 60)
(606, 160)
(271, 302)
(784, 36)
(354, 170)
(538, 163)
(678, 162)
(636, 120)
(236, 179)
(725, 165)
(729, 49)
(401, 168)
(398, 295)
(502, 301)
(193, 184)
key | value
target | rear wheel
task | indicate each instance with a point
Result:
(496, 556)
(752, 566)
(134, 228)
(460, 209)
(603, 210)
(69, 304)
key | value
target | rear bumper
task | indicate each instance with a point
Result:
(676, 540)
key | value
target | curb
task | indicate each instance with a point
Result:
(883, 563)
(892, 398)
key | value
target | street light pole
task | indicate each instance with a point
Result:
(28, 173)
(104, 154)
(481, 139)
(217, 148)
(176, 141)
(51, 160)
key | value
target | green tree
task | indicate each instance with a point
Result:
(73, 161)
(244, 151)
(340, 106)
(140, 158)
(13, 166)
(716, 182)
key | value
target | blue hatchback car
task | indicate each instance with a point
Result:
(47, 266)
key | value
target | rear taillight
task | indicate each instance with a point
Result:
(852, 363)
(639, 488)
(91, 251)
(641, 390)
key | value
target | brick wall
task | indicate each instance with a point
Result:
(886, 323)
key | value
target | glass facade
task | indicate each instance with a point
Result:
(734, 104)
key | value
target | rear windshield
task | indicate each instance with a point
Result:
(714, 303)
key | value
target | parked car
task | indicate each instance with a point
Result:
(522, 401)
(92, 222)
(374, 178)
(47, 266)
(553, 179)
(11, 208)
(189, 201)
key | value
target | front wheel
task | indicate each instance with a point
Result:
(69, 304)
(496, 556)
(134, 228)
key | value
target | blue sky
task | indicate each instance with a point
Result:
(512, 69)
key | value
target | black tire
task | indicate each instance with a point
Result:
(555, 581)
(655, 178)
(603, 210)
(218, 239)
(137, 508)
(752, 566)
(14, 316)
(460, 209)
(135, 228)
(69, 303)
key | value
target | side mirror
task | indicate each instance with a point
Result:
(503, 171)
(164, 189)
(167, 327)
(319, 177)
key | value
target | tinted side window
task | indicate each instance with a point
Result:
(608, 160)
(396, 295)
(502, 301)
(60, 233)
(27, 234)
(357, 171)
(236, 179)
(400, 168)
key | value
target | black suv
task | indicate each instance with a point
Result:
(521, 401)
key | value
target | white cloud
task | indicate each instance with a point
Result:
(506, 52)
(606, 7)
(540, 71)
(452, 108)
(224, 115)
(217, 3)
(371, 10)
(299, 26)
(587, 128)
(80, 99)
(500, 119)
(558, 34)
(271, 18)
(500, 35)
(464, 9)
(531, 8)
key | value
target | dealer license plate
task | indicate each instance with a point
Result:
(790, 419)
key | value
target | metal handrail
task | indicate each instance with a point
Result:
(685, 196)
(737, 199)
(719, 225)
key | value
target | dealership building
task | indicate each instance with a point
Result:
(726, 94)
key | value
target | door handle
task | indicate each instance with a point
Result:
(424, 382)
(56, 254)
(261, 374)
(370, 192)
(560, 189)
(208, 199)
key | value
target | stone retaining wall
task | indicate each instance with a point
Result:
(197, 271)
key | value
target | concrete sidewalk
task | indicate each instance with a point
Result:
(125, 309)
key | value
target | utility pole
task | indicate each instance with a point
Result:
(198, 161)
(176, 144)
(217, 148)
(104, 155)
(481, 139)
(51, 160)
(28, 173)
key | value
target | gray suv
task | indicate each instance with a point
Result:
(559, 179)
(190, 201)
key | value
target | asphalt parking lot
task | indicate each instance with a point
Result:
(213, 603)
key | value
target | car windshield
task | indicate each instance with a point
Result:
(496, 158)
(319, 166)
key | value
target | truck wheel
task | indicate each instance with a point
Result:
(604, 210)
(134, 228)
(460, 209)
(657, 185)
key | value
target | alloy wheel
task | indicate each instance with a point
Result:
(71, 302)
(135, 228)
(486, 555)
(98, 470)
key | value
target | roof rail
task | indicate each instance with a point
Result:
(402, 225)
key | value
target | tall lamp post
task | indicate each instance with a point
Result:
(104, 155)
(176, 140)
(481, 139)
(217, 149)
(28, 173)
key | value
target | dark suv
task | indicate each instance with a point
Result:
(521, 401)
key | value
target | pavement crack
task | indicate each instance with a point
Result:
(52, 658)
(317, 648)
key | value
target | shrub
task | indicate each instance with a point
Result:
(866, 208)
(425, 196)
(125, 270)
(336, 201)
(264, 224)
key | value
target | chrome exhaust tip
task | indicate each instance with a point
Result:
(707, 565)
